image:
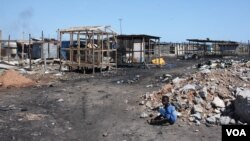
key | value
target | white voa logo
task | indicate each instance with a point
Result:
(236, 132)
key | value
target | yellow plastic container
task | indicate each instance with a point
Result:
(158, 61)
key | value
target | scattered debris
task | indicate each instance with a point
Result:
(144, 115)
(105, 134)
(208, 95)
(31, 116)
(60, 100)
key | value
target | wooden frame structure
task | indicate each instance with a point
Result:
(93, 47)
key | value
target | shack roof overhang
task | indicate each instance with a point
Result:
(212, 41)
(139, 36)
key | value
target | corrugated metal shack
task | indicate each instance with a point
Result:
(137, 49)
(89, 47)
(207, 47)
(46, 49)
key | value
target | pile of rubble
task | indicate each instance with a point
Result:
(218, 93)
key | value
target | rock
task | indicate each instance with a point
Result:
(188, 87)
(213, 119)
(191, 119)
(224, 120)
(177, 81)
(232, 121)
(177, 106)
(203, 93)
(144, 115)
(208, 106)
(237, 91)
(217, 102)
(197, 116)
(149, 104)
(60, 100)
(205, 71)
(222, 109)
(209, 125)
(142, 103)
(242, 105)
(105, 134)
(216, 111)
(213, 65)
(58, 74)
(149, 86)
(197, 108)
(178, 114)
(197, 122)
(197, 100)
(248, 64)
(212, 89)
(126, 101)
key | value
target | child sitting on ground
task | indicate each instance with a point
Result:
(167, 113)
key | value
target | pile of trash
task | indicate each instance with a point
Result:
(217, 94)
(11, 78)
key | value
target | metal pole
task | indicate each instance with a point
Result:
(120, 25)
(29, 51)
(9, 49)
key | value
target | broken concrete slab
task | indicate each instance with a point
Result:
(217, 102)
(225, 120)
(197, 108)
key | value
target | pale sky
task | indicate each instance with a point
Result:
(172, 20)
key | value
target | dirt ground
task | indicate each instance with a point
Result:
(94, 107)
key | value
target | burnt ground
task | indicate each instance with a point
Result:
(93, 107)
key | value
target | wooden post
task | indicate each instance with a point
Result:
(71, 48)
(159, 52)
(86, 48)
(132, 59)
(93, 53)
(149, 51)
(78, 48)
(144, 49)
(43, 54)
(59, 50)
(58, 43)
(30, 51)
(101, 51)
